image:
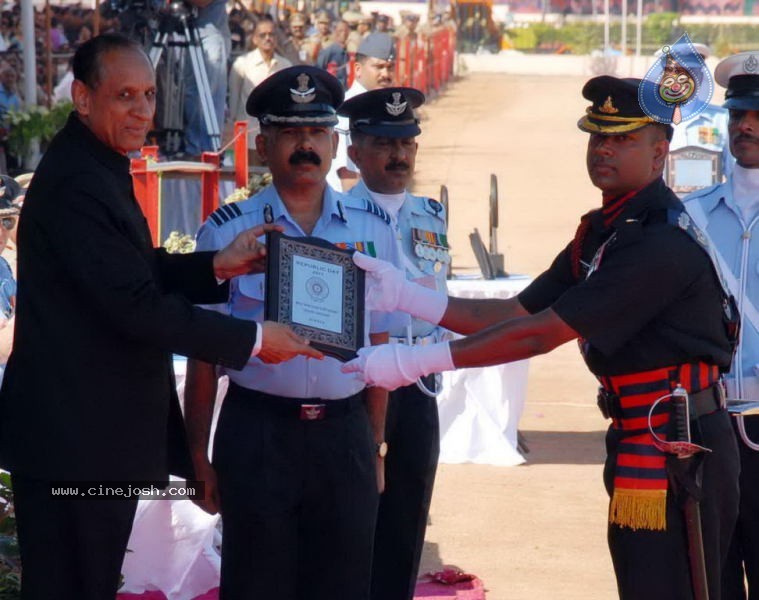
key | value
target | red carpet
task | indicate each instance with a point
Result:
(465, 590)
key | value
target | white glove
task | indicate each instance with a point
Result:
(391, 366)
(388, 290)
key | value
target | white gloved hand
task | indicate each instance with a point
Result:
(388, 290)
(391, 366)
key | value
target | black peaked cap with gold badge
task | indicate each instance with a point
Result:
(384, 112)
(299, 96)
(615, 108)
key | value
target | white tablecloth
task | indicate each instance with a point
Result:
(480, 408)
(173, 546)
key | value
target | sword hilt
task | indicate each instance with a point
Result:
(680, 414)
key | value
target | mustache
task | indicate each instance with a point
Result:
(397, 165)
(300, 157)
(745, 137)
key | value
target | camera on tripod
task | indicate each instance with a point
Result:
(172, 40)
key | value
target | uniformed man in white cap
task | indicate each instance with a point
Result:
(729, 214)
(298, 451)
(707, 130)
(383, 130)
(375, 68)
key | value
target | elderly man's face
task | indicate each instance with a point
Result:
(119, 109)
(743, 129)
(386, 164)
(263, 37)
(621, 163)
(297, 155)
(375, 73)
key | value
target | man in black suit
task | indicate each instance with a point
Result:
(89, 390)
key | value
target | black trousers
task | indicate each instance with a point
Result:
(72, 548)
(743, 558)
(298, 501)
(413, 437)
(653, 565)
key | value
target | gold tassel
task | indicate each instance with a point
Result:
(639, 509)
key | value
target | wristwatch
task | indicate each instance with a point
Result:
(381, 448)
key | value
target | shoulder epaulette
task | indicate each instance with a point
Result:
(368, 206)
(701, 193)
(224, 214)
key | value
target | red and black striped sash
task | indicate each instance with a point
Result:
(639, 500)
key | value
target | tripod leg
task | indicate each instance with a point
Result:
(201, 78)
(157, 48)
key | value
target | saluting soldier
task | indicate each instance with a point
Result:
(297, 452)
(637, 288)
(383, 146)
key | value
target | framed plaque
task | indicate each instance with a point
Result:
(314, 286)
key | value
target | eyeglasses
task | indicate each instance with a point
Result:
(8, 222)
(265, 34)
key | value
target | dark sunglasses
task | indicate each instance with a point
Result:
(8, 222)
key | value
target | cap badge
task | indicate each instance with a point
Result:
(397, 107)
(750, 65)
(608, 107)
(303, 94)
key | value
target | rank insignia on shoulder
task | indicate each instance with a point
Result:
(224, 214)
(377, 210)
(364, 247)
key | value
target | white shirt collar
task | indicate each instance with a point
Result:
(390, 202)
(745, 184)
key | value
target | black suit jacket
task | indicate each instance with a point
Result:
(89, 388)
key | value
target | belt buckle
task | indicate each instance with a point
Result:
(313, 412)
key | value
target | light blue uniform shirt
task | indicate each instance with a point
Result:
(344, 220)
(424, 253)
(738, 243)
(7, 288)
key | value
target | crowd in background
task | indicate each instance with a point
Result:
(324, 37)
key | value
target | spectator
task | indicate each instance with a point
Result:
(9, 100)
(9, 191)
(249, 70)
(216, 42)
(322, 38)
(334, 58)
(298, 45)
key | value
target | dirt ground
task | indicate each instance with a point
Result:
(536, 531)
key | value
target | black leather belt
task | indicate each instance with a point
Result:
(304, 409)
(699, 404)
